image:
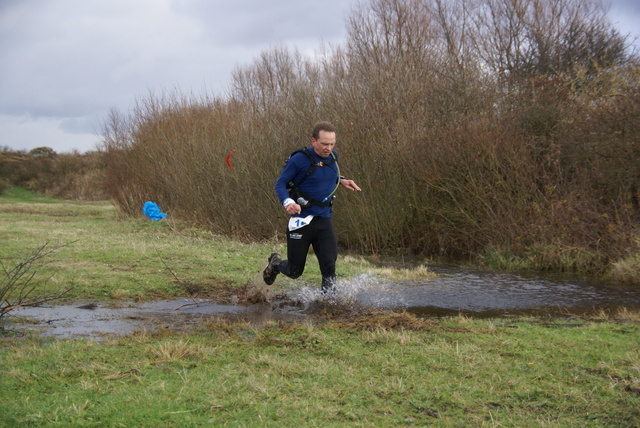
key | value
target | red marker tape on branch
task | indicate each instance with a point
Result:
(229, 158)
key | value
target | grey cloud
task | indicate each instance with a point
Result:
(65, 63)
(253, 22)
(80, 125)
(61, 60)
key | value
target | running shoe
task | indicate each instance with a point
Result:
(270, 273)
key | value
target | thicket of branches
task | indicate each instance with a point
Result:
(18, 287)
(474, 127)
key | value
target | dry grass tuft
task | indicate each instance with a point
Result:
(383, 335)
(120, 294)
(176, 351)
(625, 314)
(390, 321)
(419, 273)
(628, 270)
(621, 315)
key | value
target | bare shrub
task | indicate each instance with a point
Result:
(17, 285)
(172, 149)
(472, 127)
(524, 39)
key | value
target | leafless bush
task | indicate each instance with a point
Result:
(524, 39)
(469, 124)
(17, 284)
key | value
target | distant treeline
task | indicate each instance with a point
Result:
(66, 175)
(489, 130)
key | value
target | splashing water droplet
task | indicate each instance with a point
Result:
(362, 290)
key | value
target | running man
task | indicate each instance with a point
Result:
(306, 188)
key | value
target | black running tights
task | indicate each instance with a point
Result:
(319, 234)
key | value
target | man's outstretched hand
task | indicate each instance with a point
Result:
(350, 184)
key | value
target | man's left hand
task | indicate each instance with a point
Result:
(350, 184)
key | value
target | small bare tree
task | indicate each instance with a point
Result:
(17, 288)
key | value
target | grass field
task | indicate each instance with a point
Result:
(106, 256)
(369, 369)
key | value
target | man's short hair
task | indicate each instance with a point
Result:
(322, 126)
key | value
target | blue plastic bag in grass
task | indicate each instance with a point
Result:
(152, 211)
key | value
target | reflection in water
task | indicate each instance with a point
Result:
(491, 293)
(454, 291)
(65, 321)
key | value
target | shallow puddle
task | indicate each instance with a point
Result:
(483, 293)
(454, 291)
(94, 321)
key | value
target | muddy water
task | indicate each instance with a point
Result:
(454, 291)
(481, 293)
(95, 321)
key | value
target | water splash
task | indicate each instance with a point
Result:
(356, 292)
(454, 290)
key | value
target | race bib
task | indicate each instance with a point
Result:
(298, 222)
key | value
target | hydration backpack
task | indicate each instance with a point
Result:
(301, 198)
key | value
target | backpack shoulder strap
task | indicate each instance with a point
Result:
(312, 163)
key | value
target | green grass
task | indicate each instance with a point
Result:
(18, 194)
(108, 254)
(451, 373)
(366, 369)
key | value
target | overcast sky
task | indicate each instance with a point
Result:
(65, 63)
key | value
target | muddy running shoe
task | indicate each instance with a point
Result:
(328, 292)
(270, 273)
(328, 286)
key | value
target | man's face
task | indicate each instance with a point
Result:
(324, 144)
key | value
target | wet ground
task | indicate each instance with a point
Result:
(477, 293)
(90, 320)
(488, 294)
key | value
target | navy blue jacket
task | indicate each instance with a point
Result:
(318, 185)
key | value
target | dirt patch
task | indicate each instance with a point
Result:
(255, 294)
(225, 292)
(394, 320)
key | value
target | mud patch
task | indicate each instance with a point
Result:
(253, 304)
(225, 292)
